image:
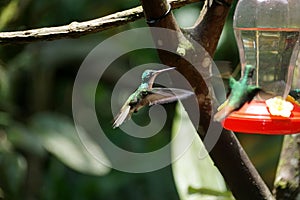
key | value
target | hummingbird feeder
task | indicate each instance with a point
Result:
(267, 34)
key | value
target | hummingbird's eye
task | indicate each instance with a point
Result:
(144, 93)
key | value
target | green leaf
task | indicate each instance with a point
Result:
(59, 137)
(23, 138)
(13, 168)
(195, 177)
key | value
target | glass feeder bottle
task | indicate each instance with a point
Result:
(267, 34)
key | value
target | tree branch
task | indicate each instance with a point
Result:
(77, 29)
(287, 181)
(210, 23)
(228, 155)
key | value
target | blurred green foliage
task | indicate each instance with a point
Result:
(40, 154)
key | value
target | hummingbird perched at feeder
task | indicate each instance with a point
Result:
(241, 92)
(145, 95)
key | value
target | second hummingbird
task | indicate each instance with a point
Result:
(145, 95)
(241, 92)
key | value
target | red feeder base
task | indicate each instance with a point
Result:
(254, 117)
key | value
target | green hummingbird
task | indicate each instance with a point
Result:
(241, 92)
(145, 95)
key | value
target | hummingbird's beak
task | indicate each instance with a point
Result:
(163, 70)
(156, 73)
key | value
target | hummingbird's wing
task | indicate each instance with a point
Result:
(151, 97)
(232, 82)
(122, 116)
(166, 95)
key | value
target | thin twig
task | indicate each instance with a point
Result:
(77, 29)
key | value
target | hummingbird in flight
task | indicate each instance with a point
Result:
(241, 92)
(145, 95)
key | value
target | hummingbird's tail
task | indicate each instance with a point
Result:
(223, 113)
(122, 116)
